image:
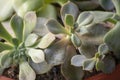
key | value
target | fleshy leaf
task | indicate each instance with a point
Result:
(30, 20)
(26, 72)
(99, 65)
(4, 34)
(69, 8)
(87, 5)
(23, 6)
(106, 4)
(55, 53)
(46, 40)
(112, 39)
(88, 49)
(78, 60)
(4, 46)
(92, 39)
(117, 6)
(7, 26)
(107, 65)
(103, 49)
(98, 18)
(6, 9)
(69, 20)
(85, 18)
(40, 68)
(40, 28)
(55, 27)
(43, 12)
(89, 64)
(69, 71)
(5, 59)
(31, 39)
(17, 26)
(75, 40)
(36, 55)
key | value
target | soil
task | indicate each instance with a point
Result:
(53, 74)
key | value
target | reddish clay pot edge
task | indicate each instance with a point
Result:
(115, 75)
(4, 78)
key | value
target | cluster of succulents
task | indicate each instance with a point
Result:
(43, 38)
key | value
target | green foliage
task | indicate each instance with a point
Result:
(6, 9)
(117, 6)
(112, 40)
(106, 4)
(43, 38)
(23, 47)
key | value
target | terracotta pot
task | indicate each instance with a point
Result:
(4, 78)
(115, 75)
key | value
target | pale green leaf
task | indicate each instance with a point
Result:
(40, 28)
(31, 39)
(117, 6)
(88, 49)
(5, 59)
(103, 49)
(4, 46)
(55, 54)
(23, 6)
(78, 60)
(84, 18)
(8, 27)
(46, 40)
(69, 71)
(40, 68)
(69, 8)
(88, 17)
(112, 39)
(55, 27)
(98, 18)
(89, 64)
(30, 20)
(75, 40)
(6, 9)
(48, 8)
(36, 55)
(17, 26)
(4, 34)
(26, 72)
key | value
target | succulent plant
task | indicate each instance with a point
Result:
(86, 33)
(78, 41)
(22, 49)
(21, 7)
(103, 59)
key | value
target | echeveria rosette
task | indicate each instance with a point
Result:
(22, 49)
(58, 52)
(85, 33)
(87, 29)
(68, 18)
